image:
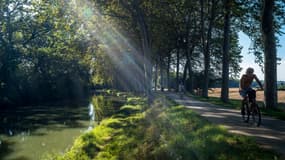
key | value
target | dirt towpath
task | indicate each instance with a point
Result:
(271, 133)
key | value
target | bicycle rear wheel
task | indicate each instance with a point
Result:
(256, 115)
(245, 112)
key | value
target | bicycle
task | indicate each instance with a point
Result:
(251, 109)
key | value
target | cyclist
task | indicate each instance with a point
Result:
(245, 83)
(245, 89)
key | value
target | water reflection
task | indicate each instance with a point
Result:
(32, 132)
(92, 116)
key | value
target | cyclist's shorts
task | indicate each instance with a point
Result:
(250, 92)
(245, 91)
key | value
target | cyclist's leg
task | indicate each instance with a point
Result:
(252, 95)
(244, 101)
(245, 108)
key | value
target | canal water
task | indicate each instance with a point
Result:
(32, 133)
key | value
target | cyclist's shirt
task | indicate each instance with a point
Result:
(245, 84)
(246, 80)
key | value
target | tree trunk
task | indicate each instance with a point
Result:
(148, 72)
(189, 52)
(203, 46)
(168, 71)
(190, 72)
(177, 70)
(225, 74)
(206, 74)
(146, 47)
(185, 72)
(155, 76)
(206, 46)
(138, 17)
(270, 74)
(161, 74)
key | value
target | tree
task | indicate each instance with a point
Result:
(138, 16)
(269, 54)
(272, 18)
(206, 41)
(44, 57)
(135, 11)
(13, 35)
(225, 73)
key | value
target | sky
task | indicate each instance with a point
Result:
(248, 59)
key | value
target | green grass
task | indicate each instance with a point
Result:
(278, 112)
(165, 131)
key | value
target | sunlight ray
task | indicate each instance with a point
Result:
(119, 49)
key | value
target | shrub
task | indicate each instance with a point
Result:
(103, 107)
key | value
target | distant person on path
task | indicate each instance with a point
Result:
(181, 89)
(245, 83)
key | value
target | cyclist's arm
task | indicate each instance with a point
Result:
(258, 81)
(241, 83)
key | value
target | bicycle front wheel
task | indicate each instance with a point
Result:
(256, 115)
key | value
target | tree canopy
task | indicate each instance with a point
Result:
(56, 50)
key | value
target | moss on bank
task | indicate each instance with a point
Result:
(163, 131)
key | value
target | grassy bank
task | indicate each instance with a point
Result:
(163, 131)
(278, 112)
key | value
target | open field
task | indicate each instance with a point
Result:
(234, 94)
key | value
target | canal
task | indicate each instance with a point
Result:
(34, 132)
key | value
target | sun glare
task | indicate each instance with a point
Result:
(125, 57)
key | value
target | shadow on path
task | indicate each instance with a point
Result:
(271, 133)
